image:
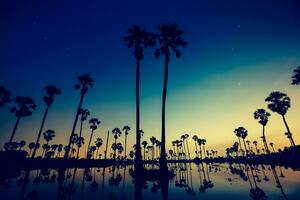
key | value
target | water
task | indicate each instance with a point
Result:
(204, 181)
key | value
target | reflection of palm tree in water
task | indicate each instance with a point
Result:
(263, 171)
(255, 192)
(278, 182)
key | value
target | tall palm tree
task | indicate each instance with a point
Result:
(23, 108)
(263, 116)
(195, 138)
(296, 76)
(117, 133)
(5, 96)
(238, 135)
(84, 82)
(144, 143)
(138, 39)
(84, 113)
(51, 92)
(94, 125)
(280, 103)
(242, 132)
(48, 136)
(183, 143)
(170, 39)
(199, 142)
(98, 144)
(126, 130)
(203, 144)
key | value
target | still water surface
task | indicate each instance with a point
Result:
(203, 181)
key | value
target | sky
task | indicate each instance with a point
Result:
(237, 53)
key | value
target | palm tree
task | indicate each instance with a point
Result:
(138, 39)
(296, 76)
(84, 113)
(255, 144)
(238, 134)
(242, 132)
(117, 133)
(272, 145)
(195, 138)
(51, 92)
(183, 143)
(263, 116)
(199, 142)
(98, 143)
(31, 146)
(23, 108)
(187, 145)
(22, 143)
(59, 149)
(203, 143)
(280, 103)
(153, 140)
(94, 122)
(144, 143)
(5, 96)
(85, 81)
(170, 39)
(49, 135)
(126, 130)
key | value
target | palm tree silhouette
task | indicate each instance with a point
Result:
(280, 103)
(23, 108)
(203, 142)
(51, 92)
(187, 145)
(94, 122)
(126, 130)
(117, 133)
(170, 39)
(31, 146)
(263, 116)
(48, 136)
(138, 39)
(242, 132)
(195, 138)
(85, 81)
(84, 113)
(255, 144)
(144, 143)
(5, 96)
(153, 140)
(272, 145)
(98, 144)
(296, 76)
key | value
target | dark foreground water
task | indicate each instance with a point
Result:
(203, 181)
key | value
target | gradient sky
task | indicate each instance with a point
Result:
(237, 53)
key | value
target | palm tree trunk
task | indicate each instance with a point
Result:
(14, 130)
(265, 141)
(74, 126)
(40, 132)
(163, 161)
(240, 145)
(288, 130)
(107, 138)
(138, 154)
(80, 134)
(125, 145)
(90, 141)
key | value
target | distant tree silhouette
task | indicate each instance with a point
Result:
(296, 76)
(117, 133)
(242, 132)
(195, 138)
(255, 144)
(203, 142)
(24, 105)
(31, 146)
(94, 122)
(187, 144)
(51, 92)
(272, 145)
(153, 140)
(263, 116)
(169, 39)
(98, 144)
(48, 136)
(144, 143)
(126, 130)
(84, 113)
(280, 103)
(138, 39)
(5, 96)
(85, 81)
